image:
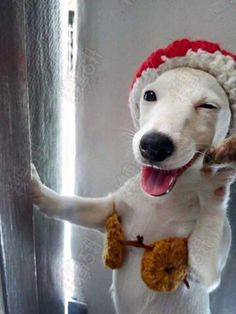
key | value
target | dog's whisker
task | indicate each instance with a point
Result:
(129, 136)
(128, 130)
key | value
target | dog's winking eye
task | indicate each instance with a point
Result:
(150, 95)
(207, 106)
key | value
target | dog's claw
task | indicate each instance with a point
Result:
(186, 282)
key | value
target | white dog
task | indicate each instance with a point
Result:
(182, 112)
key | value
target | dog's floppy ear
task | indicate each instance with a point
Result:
(134, 106)
(135, 114)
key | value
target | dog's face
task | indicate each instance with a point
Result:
(181, 113)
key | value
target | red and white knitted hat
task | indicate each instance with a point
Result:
(202, 55)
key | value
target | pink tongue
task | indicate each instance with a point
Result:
(157, 182)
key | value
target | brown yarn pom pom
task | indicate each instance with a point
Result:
(114, 251)
(165, 266)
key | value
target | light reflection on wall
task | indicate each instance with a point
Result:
(68, 147)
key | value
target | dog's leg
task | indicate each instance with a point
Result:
(208, 241)
(87, 212)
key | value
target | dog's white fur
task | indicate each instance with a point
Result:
(190, 209)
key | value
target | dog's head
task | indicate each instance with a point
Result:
(181, 114)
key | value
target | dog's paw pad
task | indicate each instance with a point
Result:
(220, 192)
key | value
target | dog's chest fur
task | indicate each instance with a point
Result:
(155, 218)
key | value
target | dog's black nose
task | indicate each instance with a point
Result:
(156, 147)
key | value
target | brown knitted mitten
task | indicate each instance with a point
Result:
(114, 251)
(165, 266)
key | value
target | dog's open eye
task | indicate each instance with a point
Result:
(207, 106)
(150, 95)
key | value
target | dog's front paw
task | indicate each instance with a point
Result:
(35, 185)
(216, 185)
(224, 153)
(46, 199)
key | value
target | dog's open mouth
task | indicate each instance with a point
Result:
(157, 182)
